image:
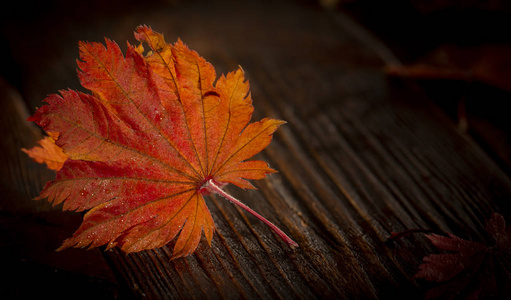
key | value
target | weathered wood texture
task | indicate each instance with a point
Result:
(360, 157)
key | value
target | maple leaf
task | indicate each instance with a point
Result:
(155, 134)
(470, 270)
(48, 153)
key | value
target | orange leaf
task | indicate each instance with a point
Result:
(155, 134)
(48, 153)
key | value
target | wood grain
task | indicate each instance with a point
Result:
(361, 156)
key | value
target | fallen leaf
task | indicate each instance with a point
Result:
(489, 64)
(47, 152)
(155, 134)
(468, 269)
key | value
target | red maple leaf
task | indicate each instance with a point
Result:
(154, 135)
(468, 269)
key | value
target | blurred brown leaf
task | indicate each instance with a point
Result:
(490, 64)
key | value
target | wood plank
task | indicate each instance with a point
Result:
(360, 157)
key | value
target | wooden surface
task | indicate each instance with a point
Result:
(362, 156)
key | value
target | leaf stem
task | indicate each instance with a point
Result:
(210, 185)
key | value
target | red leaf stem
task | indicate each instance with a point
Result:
(212, 187)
